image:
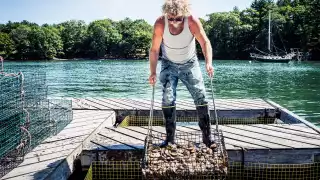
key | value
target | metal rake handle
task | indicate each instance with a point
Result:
(214, 106)
(151, 113)
(149, 125)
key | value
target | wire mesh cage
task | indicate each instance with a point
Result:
(27, 116)
(133, 120)
(11, 120)
(60, 113)
(114, 170)
(36, 89)
(268, 171)
(188, 158)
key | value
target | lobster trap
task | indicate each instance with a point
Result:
(11, 121)
(27, 116)
(188, 158)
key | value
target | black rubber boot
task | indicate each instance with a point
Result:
(169, 115)
(204, 124)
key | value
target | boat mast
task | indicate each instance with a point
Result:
(269, 32)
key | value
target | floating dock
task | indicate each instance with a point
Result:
(255, 131)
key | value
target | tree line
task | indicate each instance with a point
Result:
(233, 34)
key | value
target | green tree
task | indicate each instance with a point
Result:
(102, 37)
(73, 35)
(6, 45)
(20, 37)
(136, 38)
(45, 43)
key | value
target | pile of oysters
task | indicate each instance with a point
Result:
(180, 161)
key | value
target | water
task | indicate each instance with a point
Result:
(294, 86)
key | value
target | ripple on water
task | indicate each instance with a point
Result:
(294, 85)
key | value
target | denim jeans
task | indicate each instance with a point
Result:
(190, 75)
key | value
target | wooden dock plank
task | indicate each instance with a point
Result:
(228, 104)
(79, 103)
(103, 142)
(122, 139)
(111, 103)
(234, 104)
(85, 123)
(102, 105)
(157, 129)
(231, 144)
(257, 103)
(181, 104)
(87, 114)
(245, 137)
(218, 105)
(46, 151)
(139, 105)
(279, 128)
(249, 142)
(296, 128)
(295, 141)
(257, 139)
(156, 104)
(45, 157)
(122, 102)
(34, 171)
(139, 137)
(58, 144)
(92, 105)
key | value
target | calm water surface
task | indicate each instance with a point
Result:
(295, 86)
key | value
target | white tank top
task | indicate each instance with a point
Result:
(178, 48)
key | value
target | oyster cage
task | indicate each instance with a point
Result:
(188, 158)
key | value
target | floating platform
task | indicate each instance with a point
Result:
(255, 131)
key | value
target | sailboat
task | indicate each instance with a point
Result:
(269, 56)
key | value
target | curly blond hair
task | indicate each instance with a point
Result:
(176, 7)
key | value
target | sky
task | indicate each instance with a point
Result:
(57, 11)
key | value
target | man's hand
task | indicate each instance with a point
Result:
(210, 70)
(153, 79)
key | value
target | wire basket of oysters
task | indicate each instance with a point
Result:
(187, 158)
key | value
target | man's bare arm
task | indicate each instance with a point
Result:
(199, 33)
(155, 46)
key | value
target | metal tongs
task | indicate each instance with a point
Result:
(149, 125)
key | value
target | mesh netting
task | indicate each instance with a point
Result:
(264, 171)
(11, 119)
(10, 113)
(27, 116)
(133, 120)
(116, 170)
(47, 118)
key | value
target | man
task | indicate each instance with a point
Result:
(175, 33)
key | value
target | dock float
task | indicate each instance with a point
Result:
(262, 139)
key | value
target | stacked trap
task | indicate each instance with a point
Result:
(27, 116)
(11, 121)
